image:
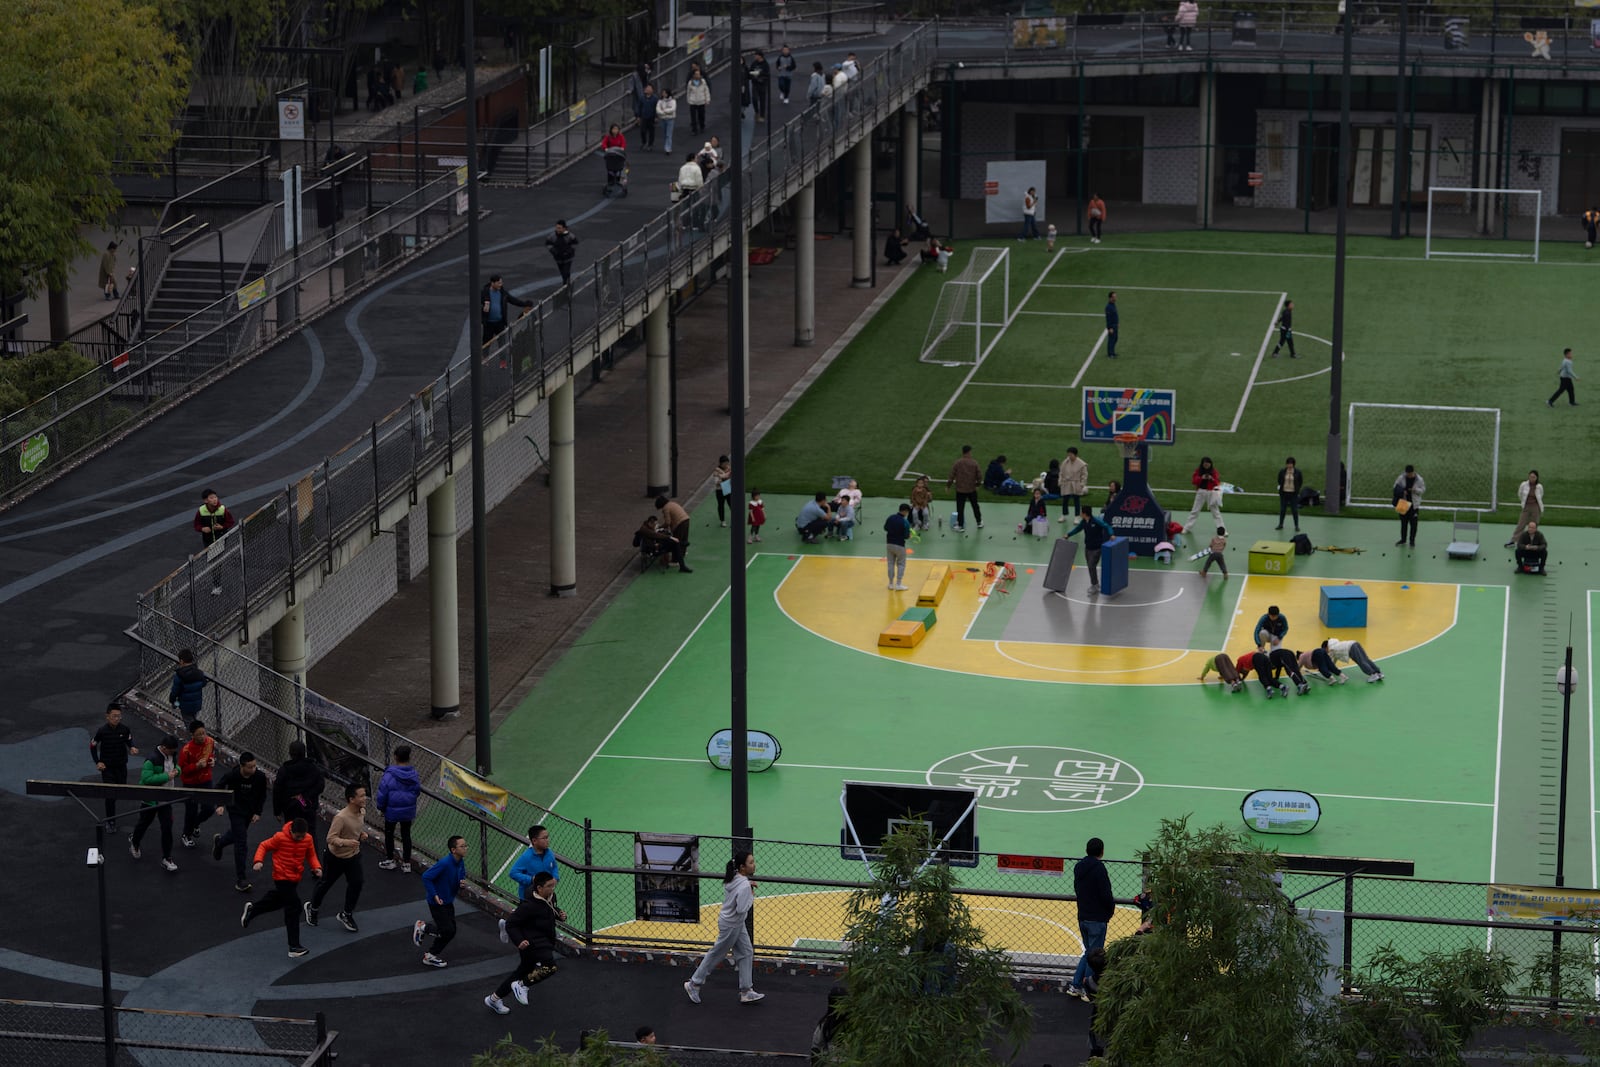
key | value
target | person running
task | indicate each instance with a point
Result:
(441, 882)
(110, 748)
(342, 857)
(532, 929)
(292, 848)
(1285, 330)
(1096, 532)
(536, 859)
(398, 791)
(247, 795)
(563, 246)
(195, 762)
(1097, 217)
(733, 936)
(297, 790)
(160, 768)
(1565, 377)
(1352, 652)
(896, 528)
(188, 693)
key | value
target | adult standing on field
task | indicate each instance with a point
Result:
(1408, 490)
(1289, 482)
(1097, 217)
(896, 528)
(1074, 483)
(1113, 320)
(1207, 494)
(1565, 377)
(965, 477)
(1531, 493)
(1091, 884)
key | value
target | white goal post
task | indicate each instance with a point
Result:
(1455, 450)
(1480, 207)
(972, 311)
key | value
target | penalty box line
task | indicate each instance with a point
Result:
(905, 468)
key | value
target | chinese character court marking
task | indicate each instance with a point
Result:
(1039, 778)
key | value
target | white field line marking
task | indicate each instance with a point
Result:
(1019, 385)
(640, 698)
(1160, 289)
(916, 450)
(1032, 778)
(1067, 314)
(1499, 743)
(1083, 670)
(1008, 422)
(1089, 360)
(1255, 370)
(1313, 374)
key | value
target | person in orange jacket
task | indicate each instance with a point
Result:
(1097, 217)
(292, 848)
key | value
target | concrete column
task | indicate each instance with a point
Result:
(910, 160)
(805, 265)
(1205, 132)
(444, 626)
(289, 659)
(744, 341)
(861, 200)
(563, 484)
(658, 399)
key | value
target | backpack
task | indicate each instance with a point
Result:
(1303, 545)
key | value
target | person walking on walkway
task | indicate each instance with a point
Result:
(896, 528)
(733, 935)
(786, 66)
(965, 477)
(108, 272)
(697, 94)
(496, 298)
(532, 929)
(247, 795)
(110, 748)
(212, 521)
(398, 791)
(647, 118)
(342, 857)
(188, 692)
(160, 768)
(563, 246)
(1091, 883)
(1565, 377)
(291, 848)
(441, 883)
(195, 762)
(760, 74)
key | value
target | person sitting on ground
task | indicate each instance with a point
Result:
(997, 479)
(1532, 550)
(814, 519)
(894, 249)
(921, 503)
(654, 542)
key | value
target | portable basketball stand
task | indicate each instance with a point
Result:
(1463, 536)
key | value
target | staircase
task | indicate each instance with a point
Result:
(180, 317)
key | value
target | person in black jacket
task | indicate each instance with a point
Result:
(297, 790)
(248, 795)
(1091, 883)
(1285, 330)
(110, 748)
(188, 687)
(1289, 482)
(532, 929)
(496, 298)
(563, 246)
(760, 83)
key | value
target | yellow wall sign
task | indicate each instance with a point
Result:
(252, 293)
(1531, 903)
(485, 796)
(578, 110)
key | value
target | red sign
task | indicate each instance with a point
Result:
(1051, 866)
(119, 361)
(991, 188)
(1255, 177)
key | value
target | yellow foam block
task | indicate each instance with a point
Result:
(902, 633)
(933, 588)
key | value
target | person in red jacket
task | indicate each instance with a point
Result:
(1260, 662)
(292, 848)
(1207, 494)
(195, 761)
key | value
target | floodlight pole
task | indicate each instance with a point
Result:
(1333, 496)
(481, 726)
(108, 1011)
(738, 601)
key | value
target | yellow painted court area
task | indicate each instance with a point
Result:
(1017, 924)
(843, 599)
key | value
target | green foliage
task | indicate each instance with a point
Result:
(1415, 1012)
(507, 1053)
(25, 379)
(1224, 973)
(78, 88)
(923, 986)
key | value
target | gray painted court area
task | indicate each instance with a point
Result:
(1158, 609)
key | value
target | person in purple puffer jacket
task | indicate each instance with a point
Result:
(398, 790)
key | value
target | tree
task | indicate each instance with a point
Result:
(78, 89)
(1227, 970)
(923, 987)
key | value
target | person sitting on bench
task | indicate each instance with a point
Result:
(1531, 550)
(814, 519)
(655, 543)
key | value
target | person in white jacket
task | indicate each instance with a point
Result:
(1531, 493)
(738, 897)
(698, 94)
(666, 118)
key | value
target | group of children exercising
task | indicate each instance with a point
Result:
(1270, 660)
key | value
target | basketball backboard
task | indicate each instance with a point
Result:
(873, 809)
(1112, 413)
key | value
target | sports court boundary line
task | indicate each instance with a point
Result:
(1499, 747)
(1099, 342)
(1153, 289)
(1261, 356)
(905, 468)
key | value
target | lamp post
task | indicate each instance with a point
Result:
(738, 600)
(1334, 496)
(1566, 682)
(480, 535)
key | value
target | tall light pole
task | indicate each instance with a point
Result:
(738, 603)
(480, 533)
(1334, 496)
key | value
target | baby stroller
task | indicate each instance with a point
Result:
(616, 173)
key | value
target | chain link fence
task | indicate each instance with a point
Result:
(42, 1034)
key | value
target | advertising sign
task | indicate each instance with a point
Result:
(1531, 903)
(1281, 811)
(762, 747)
(291, 119)
(485, 796)
(1049, 866)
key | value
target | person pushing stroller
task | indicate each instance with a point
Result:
(614, 148)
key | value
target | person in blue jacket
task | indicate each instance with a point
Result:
(398, 790)
(1096, 532)
(188, 692)
(537, 857)
(441, 881)
(1271, 628)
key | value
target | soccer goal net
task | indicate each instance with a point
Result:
(972, 310)
(1483, 223)
(1455, 450)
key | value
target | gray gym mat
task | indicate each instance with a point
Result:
(1159, 609)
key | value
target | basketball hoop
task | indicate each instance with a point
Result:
(1128, 444)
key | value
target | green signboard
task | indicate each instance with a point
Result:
(34, 451)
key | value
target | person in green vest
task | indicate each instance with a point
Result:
(212, 520)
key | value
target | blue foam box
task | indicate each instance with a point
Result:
(1343, 606)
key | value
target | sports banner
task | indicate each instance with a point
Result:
(1541, 904)
(485, 796)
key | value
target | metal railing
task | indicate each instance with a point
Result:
(36, 1032)
(78, 417)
